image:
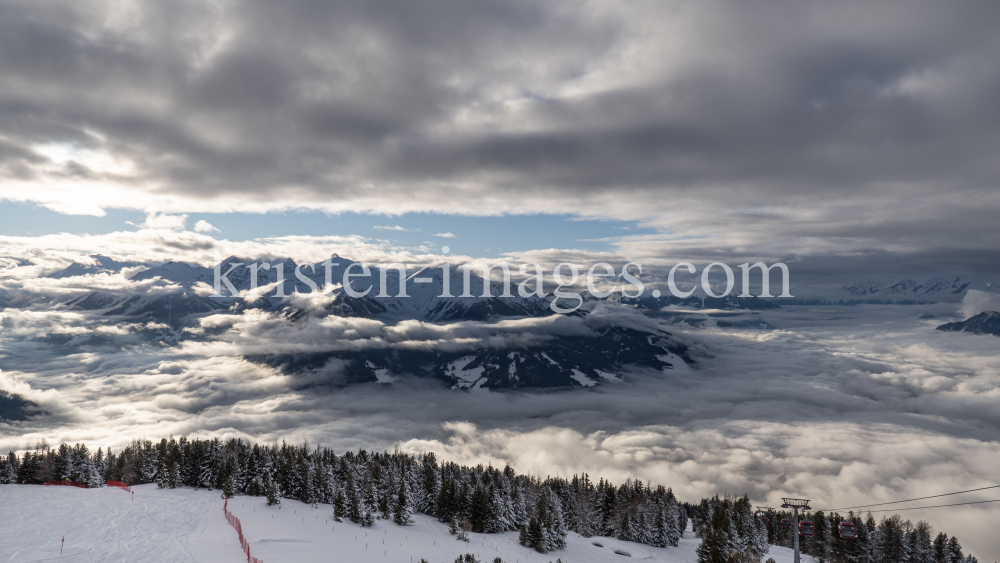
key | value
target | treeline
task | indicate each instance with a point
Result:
(891, 540)
(367, 486)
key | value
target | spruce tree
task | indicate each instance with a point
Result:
(229, 486)
(402, 511)
(339, 505)
(716, 545)
(271, 490)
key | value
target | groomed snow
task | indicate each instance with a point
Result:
(184, 525)
(105, 525)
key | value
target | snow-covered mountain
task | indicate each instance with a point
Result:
(423, 289)
(908, 288)
(700, 302)
(561, 361)
(100, 265)
(987, 322)
(445, 296)
(886, 292)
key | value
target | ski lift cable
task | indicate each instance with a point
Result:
(935, 506)
(913, 499)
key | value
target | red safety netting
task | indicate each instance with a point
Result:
(67, 483)
(235, 523)
(120, 485)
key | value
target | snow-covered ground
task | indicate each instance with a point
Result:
(106, 525)
(184, 525)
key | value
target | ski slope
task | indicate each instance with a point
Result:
(184, 525)
(106, 525)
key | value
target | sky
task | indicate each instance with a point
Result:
(810, 131)
(852, 140)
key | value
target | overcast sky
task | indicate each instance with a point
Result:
(811, 131)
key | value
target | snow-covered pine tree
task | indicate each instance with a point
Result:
(271, 490)
(162, 475)
(339, 504)
(519, 507)
(892, 539)
(643, 529)
(229, 485)
(403, 508)
(369, 501)
(751, 533)
(714, 531)
(430, 484)
(532, 535)
(308, 493)
(919, 539)
(8, 468)
(955, 550)
(550, 517)
(354, 504)
(660, 532)
(63, 466)
(100, 465)
(672, 512)
(479, 509)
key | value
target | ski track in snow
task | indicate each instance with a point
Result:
(184, 525)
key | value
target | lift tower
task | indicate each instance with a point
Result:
(795, 504)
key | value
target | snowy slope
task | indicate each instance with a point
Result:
(184, 525)
(106, 525)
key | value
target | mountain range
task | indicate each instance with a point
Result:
(586, 357)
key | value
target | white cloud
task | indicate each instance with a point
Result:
(976, 301)
(444, 235)
(164, 221)
(388, 228)
(203, 226)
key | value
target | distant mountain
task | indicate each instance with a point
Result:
(167, 309)
(885, 292)
(696, 302)
(180, 272)
(560, 361)
(908, 288)
(533, 357)
(101, 265)
(423, 301)
(983, 323)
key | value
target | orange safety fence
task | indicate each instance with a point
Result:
(67, 482)
(235, 523)
(120, 485)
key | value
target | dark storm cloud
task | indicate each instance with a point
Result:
(830, 127)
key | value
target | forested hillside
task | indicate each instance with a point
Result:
(368, 486)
